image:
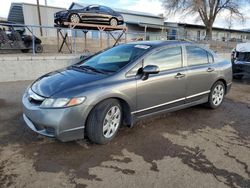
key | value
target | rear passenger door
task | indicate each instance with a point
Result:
(201, 73)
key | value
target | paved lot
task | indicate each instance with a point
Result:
(195, 147)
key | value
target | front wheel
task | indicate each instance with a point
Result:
(104, 121)
(216, 95)
(74, 18)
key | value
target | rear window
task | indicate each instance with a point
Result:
(196, 56)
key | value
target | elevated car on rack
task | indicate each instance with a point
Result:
(94, 14)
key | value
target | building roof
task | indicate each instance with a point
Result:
(215, 28)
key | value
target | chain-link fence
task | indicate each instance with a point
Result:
(14, 37)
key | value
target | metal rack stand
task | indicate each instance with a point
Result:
(67, 40)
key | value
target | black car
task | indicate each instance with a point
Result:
(13, 37)
(240, 58)
(95, 14)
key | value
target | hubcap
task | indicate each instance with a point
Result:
(217, 95)
(113, 22)
(111, 121)
(74, 18)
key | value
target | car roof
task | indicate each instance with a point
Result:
(158, 43)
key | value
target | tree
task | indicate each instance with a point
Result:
(207, 10)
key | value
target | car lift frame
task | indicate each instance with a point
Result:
(67, 40)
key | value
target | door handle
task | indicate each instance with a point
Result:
(210, 69)
(179, 75)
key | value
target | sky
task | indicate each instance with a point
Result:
(151, 6)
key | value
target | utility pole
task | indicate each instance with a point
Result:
(46, 4)
(39, 17)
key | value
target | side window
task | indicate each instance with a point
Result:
(94, 9)
(196, 56)
(165, 59)
(210, 57)
(104, 9)
(137, 69)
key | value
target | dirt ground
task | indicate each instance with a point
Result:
(195, 147)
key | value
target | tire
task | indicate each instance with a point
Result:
(74, 18)
(113, 22)
(38, 48)
(238, 77)
(100, 118)
(216, 95)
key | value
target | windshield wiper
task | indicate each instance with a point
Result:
(92, 69)
(86, 67)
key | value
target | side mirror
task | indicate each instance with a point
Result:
(150, 69)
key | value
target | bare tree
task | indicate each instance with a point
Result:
(207, 10)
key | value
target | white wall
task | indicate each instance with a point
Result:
(16, 68)
(47, 18)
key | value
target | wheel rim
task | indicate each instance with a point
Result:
(74, 18)
(111, 121)
(217, 95)
(113, 22)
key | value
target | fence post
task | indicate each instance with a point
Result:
(33, 41)
(75, 41)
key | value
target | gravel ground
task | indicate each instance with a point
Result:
(195, 147)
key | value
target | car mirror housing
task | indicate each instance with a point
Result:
(150, 69)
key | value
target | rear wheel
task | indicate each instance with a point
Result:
(104, 121)
(216, 95)
(38, 48)
(113, 22)
(74, 18)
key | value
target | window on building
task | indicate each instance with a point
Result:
(165, 59)
(196, 56)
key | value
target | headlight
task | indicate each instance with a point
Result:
(62, 102)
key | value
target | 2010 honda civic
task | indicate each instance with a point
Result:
(91, 14)
(123, 84)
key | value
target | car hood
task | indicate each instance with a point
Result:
(63, 80)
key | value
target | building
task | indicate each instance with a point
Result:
(26, 13)
(198, 33)
(140, 24)
(3, 19)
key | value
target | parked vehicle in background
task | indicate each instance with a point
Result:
(124, 84)
(241, 60)
(94, 14)
(12, 37)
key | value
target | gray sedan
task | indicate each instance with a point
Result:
(123, 84)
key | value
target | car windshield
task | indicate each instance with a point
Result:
(113, 59)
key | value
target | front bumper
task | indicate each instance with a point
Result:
(65, 124)
(60, 20)
(241, 68)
